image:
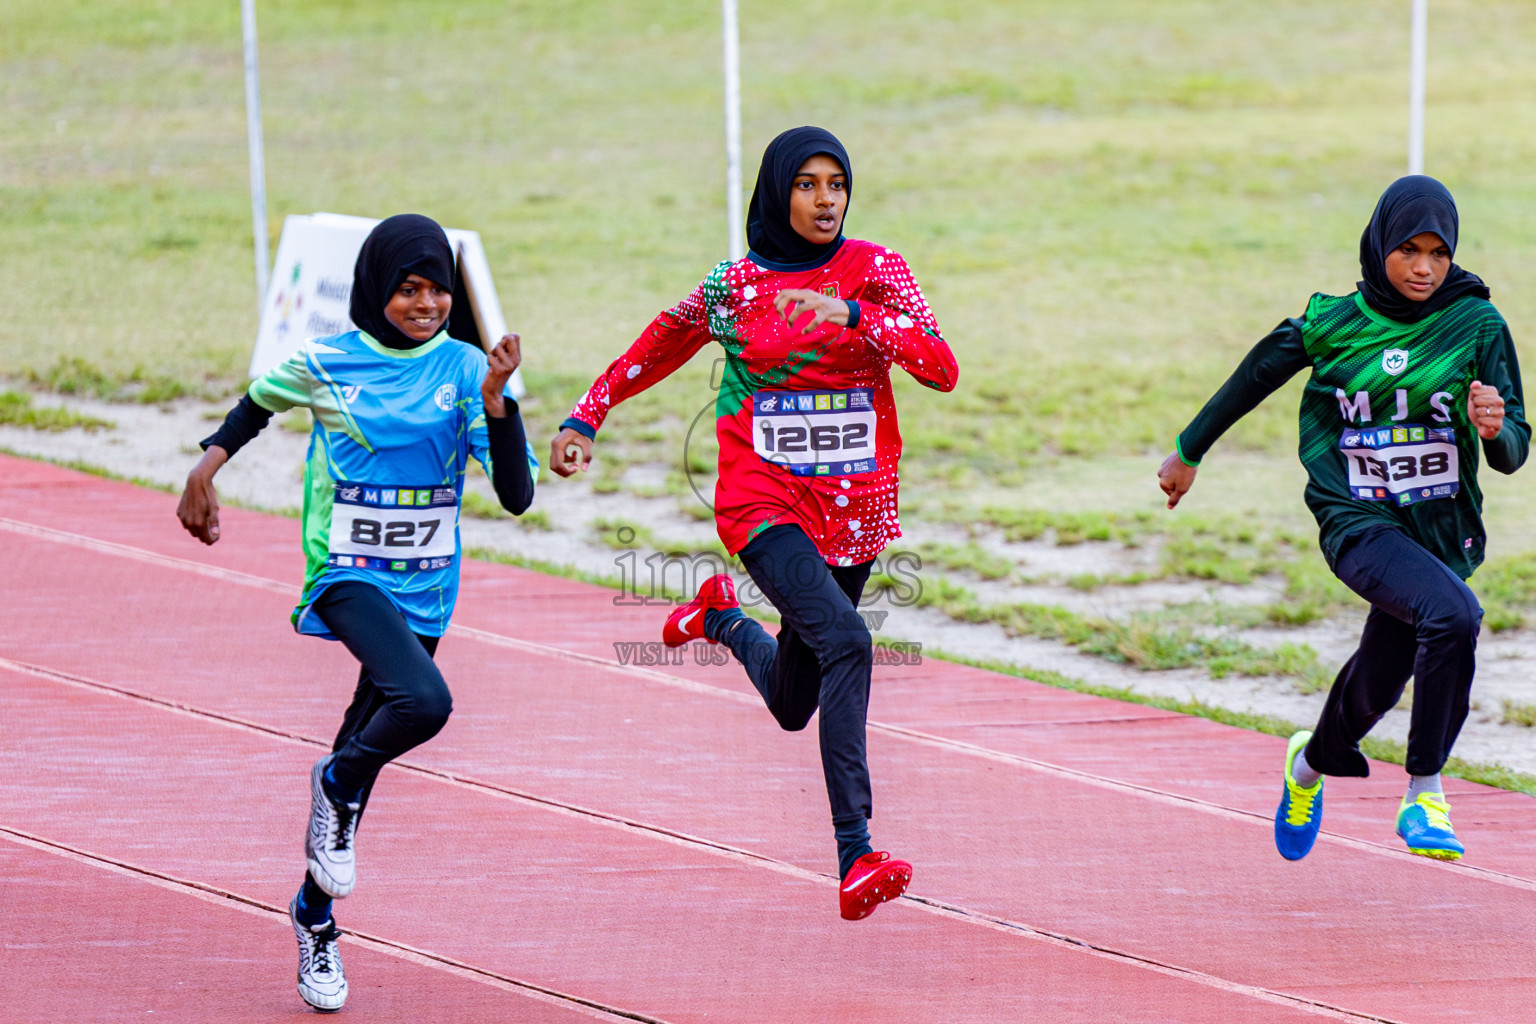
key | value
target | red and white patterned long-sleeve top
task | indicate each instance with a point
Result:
(806, 423)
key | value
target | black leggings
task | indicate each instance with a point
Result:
(401, 699)
(822, 657)
(1423, 623)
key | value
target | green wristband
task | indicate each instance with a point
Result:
(1178, 449)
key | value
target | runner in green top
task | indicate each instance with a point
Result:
(1408, 374)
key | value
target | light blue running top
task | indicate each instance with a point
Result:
(393, 433)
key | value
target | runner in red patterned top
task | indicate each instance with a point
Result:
(838, 485)
(811, 323)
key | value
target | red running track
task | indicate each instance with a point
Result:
(587, 839)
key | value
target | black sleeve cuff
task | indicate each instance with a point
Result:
(587, 430)
(510, 474)
(240, 426)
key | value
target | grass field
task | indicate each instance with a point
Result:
(1106, 202)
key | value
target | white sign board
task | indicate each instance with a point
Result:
(311, 291)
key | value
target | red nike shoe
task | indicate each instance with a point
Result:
(873, 879)
(687, 622)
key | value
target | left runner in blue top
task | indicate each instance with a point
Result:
(399, 408)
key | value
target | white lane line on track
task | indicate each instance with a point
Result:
(945, 743)
(108, 547)
(939, 908)
(389, 947)
(1251, 818)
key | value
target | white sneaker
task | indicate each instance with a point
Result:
(328, 844)
(322, 983)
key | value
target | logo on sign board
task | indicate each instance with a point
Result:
(289, 300)
(1394, 360)
(445, 396)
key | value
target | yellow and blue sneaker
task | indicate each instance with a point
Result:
(1300, 814)
(1425, 825)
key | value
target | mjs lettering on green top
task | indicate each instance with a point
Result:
(1384, 433)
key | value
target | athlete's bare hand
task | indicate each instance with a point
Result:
(504, 359)
(825, 309)
(569, 452)
(1486, 410)
(198, 509)
(1175, 478)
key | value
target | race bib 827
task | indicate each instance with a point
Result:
(1401, 464)
(394, 528)
(816, 433)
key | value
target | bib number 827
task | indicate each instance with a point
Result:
(371, 532)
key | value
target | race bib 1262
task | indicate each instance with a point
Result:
(1401, 464)
(816, 433)
(394, 528)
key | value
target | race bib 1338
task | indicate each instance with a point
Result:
(1402, 464)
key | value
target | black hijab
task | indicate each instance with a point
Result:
(395, 249)
(1411, 206)
(768, 230)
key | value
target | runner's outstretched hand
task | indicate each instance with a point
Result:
(570, 451)
(198, 509)
(796, 302)
(1175, 478)
(504, 359)
(1485, 409)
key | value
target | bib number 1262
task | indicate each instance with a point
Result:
(829, 437)
(815, 433)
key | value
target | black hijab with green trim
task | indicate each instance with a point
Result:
(396, 248)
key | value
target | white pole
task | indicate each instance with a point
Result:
(258, 161)
(1416, 87)
(733, 131)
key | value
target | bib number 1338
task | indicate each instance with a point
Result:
(1401, 464)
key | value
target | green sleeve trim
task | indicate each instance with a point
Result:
(285, 386)
(1178, 448)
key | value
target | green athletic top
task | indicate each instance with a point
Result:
(1385, 436)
